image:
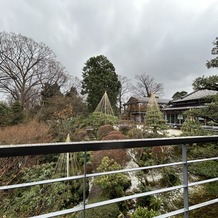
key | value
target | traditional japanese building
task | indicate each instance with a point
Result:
(135, 108)
(197, 99)
(173, 110)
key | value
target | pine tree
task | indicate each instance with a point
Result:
(192, 128)
(154, 118)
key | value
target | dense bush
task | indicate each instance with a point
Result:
(98, 119)
(107, 211)
(113, 185)
(212, 189)
(41, 198)
(208, 169)
(150, 201)
(143, 212)
(203, 150)
(104, 130)
(135, 133)
(192, 128)
(119, 155)
(114, 135)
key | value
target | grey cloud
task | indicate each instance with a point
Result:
(171, 39)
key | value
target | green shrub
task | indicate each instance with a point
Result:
(203, 150)
(143, 212)
(135, 133)
(4, 114)
(16, 113)
(207, 169)
(113, 185)
(150, 202)
(107, 211)
(41, 198)
(192, 128)
(212, 188)
(98, 119)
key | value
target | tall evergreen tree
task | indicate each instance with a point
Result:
(99, 76)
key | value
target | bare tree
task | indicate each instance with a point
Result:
(25, 66)
(125, 88)
(147, 86)
(74, 82)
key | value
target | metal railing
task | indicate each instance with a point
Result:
(52, 148)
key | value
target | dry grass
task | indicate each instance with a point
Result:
(32, 132)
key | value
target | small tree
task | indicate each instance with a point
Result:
(154, 117)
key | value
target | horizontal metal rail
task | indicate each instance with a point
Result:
(206, 203)
(203, 182)
(37, 149)
(52, 148)
(193, 207)
(87, 176)
(173, 213)
(103, 203)
(22, 185)
(202, 160)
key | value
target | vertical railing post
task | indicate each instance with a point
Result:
(185, 181)
(84, 184)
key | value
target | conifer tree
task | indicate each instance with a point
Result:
(154, 118)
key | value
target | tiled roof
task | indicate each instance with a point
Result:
(135, 99)
(196, 95)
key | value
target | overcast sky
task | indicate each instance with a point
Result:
(170, 40)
